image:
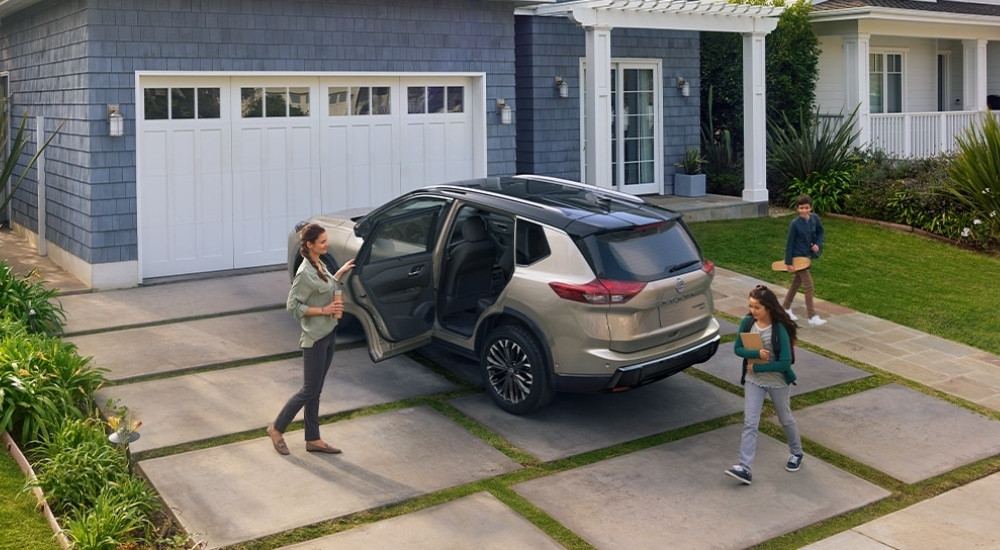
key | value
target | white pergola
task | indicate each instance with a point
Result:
(599, 17)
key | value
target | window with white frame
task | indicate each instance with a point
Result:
(885, 82)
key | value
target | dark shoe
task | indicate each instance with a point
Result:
(794, 463)
(322, 447)
(278, 441)
(740, 473)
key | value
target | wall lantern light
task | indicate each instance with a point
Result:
(505, 112)
(116, 121)
(562, 87)
(684, 86)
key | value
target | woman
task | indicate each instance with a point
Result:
(771, 376)
(311, 301)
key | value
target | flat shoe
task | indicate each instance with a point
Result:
(324, 448)
(277, 441)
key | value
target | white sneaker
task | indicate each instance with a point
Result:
(816, 321)
(791, 315)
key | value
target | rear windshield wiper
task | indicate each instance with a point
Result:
(679, 267)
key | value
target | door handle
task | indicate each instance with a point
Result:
(415, 270)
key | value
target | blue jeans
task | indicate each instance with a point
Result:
(752, 403)
(316, 362)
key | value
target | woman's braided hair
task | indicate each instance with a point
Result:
(308, 235)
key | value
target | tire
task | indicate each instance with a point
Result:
(515, 371)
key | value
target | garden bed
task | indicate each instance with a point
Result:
(22, 462)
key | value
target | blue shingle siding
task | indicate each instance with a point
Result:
(69, 59)
(548, 140)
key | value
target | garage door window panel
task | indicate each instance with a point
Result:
(435, 99)
(275, 102)
(181, 103)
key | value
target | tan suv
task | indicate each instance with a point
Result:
(550, 285)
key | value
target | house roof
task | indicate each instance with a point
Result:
(940, 6)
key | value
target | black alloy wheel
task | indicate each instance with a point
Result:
(515, 371)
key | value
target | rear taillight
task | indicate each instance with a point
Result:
(599, 291)
(708, 267)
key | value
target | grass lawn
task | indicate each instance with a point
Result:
(21, 526)
(902, 277)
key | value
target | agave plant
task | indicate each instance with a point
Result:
(812, 147)
(17, 146)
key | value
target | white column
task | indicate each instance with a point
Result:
(597, 106)
(974, 75)
(856, 59)
(754, 119)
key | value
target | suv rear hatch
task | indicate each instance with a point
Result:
(659, 285)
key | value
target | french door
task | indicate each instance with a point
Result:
(636, 126)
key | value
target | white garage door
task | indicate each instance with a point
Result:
(227, 165)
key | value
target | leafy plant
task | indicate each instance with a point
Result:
(43, 381)
(975, 173)
(812, 145)
(74, 475)
(17, 146)
(828, 191)
(692, 161)
(27, 299)
(119, 514)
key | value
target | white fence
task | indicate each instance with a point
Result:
(920, 135)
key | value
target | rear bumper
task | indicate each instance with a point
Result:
(637, 375)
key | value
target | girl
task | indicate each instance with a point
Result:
(770, 377)
(310, 300)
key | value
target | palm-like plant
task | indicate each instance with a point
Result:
(975, 172)
(813, 145)
(17, 146)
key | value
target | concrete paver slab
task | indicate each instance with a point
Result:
(577, 423)
(245, 490)
(904, 433)
(851, 540)
(965, 518)
(676, 495)
(814, 371)
(177, 346)
(148, 304)
(478, 520)
(210, 404)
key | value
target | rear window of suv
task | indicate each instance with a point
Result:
(645, 253)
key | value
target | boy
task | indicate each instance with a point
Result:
(805, 238)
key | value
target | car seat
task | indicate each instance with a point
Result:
(468, 268)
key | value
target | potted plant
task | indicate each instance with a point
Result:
(690, 182)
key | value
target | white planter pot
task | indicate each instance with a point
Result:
(689, 185)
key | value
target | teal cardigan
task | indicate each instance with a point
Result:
(780, 362)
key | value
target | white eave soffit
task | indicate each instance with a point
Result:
(694, 15)
(890, 14)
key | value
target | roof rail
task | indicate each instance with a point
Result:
(494, 194)
(586, 186)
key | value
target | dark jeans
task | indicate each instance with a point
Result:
(316, 362)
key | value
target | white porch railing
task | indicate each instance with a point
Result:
(919, 135)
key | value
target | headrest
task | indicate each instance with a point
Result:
(474, 229)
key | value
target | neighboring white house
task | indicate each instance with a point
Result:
(919, 71)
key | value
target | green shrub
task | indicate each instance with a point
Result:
(77, 465)
(120, 514)
(829, 191)
(811, 145)
(27, 299)
(43, 381)
(975, 175)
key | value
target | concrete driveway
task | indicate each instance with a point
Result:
(207, 364)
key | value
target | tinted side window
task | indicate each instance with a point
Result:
(530, 243)
(643, 254)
